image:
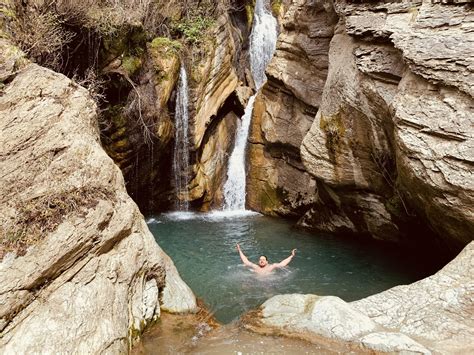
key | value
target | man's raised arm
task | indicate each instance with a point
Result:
(285, 261)
(244, 258)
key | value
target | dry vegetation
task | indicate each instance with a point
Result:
(42, 215)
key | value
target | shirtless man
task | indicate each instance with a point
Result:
(263, 266)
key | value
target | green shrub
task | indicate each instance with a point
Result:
(166, 44)
(193, 29)
(131, 64)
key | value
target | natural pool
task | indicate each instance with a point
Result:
(203, 248)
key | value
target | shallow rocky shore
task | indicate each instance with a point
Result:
(433, 315)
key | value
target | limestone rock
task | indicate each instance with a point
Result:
(219, 80)
(348, 147)
(326, 316)
(277, 182)
(394, 124)
(211, 169)
(88, 269)
(435, 39)
(218, 104)
(142, 126)
(392, 342)
(434, 133)
(431, 315)
(438, 308)
(11, 60)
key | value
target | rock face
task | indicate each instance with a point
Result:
(328, 316)
(431, 315)
(438, 308)
(217, 109)
(277, 182)
(89, 275)
(392, 144)
(215, 79)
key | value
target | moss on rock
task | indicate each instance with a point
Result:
(276, 7)
(333, 127)
(131, 64)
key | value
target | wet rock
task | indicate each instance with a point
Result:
(138, 127)
(218, 79)
(218, 101)
(82, 280)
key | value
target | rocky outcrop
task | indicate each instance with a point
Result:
(277, 182)
(348, 147)
(141, 130)
(391, 141)
(437, 309)
(137, 127)
(88, 275)
(217, 109)
(431, 315)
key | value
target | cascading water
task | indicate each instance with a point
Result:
(262, 46)
(181, 143)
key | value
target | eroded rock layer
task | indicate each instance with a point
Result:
(89, 275)
(381, 115)
(285, 108)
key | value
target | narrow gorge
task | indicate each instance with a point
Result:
(131, 130)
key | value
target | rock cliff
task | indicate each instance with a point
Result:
(278, 183)
(217, 109)
(88, 275)
(364, 126)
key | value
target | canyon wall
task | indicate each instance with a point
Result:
(277, 182)
(380, 108)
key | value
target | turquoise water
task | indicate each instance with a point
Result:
(203, 248)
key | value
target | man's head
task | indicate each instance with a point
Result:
(262, 261)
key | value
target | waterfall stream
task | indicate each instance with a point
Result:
(181, 143)
(262, 46)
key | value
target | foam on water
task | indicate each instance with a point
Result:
(208, 216)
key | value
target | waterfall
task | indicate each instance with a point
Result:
(262, 45)
(181, 143)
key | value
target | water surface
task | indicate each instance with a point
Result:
(203, 248)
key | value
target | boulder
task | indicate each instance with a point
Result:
(80, 272)
(327, 316)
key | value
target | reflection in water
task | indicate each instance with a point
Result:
(203, 248)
